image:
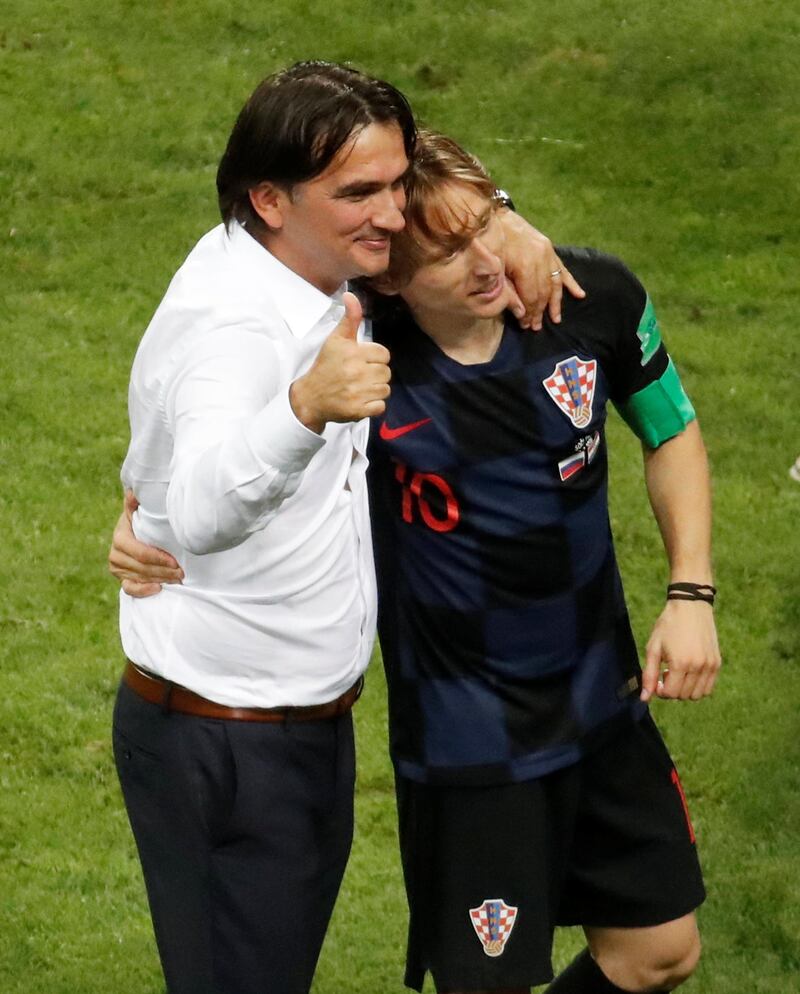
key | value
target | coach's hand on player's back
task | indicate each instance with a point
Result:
(140, 568)
(683, 658)
(349, 380)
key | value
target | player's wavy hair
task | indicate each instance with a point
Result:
(432, 229)
(295, 122)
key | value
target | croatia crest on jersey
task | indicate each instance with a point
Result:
(493, 922)
(571, 387)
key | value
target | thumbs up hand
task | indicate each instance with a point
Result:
(348, 380)
(348, 326)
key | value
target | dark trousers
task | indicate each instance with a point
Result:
(243, 831)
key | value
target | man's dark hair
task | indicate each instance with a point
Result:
(294, 124)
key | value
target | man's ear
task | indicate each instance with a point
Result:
(269, 202)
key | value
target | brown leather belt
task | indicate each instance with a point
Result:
(173, 697)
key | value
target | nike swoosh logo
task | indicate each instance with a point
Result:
(389, 434)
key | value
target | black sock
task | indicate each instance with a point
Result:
(584, 976)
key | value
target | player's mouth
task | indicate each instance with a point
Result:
(491, 291)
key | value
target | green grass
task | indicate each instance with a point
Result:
(667, 133)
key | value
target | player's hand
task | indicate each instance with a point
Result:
(531, 262)
(682, 659)
(141, 568)
(349, 380)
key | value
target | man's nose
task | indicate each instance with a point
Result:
(388, 213)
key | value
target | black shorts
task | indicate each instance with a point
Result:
(490, 871)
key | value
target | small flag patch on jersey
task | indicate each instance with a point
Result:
(571, 387)
(586, 450)
(569, 467)
(493, 922)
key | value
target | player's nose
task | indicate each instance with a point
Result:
(486, 261)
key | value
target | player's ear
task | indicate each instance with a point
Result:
(270, 202)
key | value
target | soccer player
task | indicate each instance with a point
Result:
(533, 787)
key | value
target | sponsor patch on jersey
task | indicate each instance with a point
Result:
(493, 922)
(592, 446)
(571, 387)
(648, 332)
(586, 449)
(390, 434)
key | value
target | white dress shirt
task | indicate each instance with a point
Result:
(268, 519)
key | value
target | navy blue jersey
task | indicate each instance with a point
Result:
(502, 622)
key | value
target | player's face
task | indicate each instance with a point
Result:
(470, 281)
(339, 224)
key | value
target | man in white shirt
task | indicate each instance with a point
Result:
(232, 731)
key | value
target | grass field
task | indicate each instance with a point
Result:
(669, 134)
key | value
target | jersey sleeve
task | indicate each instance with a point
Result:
(644, 383)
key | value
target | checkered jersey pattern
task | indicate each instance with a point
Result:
(502, 621)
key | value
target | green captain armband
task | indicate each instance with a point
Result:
(660, 411)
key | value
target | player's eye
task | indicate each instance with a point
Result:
(444, 260)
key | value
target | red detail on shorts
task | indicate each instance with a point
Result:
(389, 434)
(676, 780)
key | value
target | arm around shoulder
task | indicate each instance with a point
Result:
(538, 275)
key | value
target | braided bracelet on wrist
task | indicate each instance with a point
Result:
(692, 592)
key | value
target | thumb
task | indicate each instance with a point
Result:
(131, 503)
(348, 326)
(651, 671)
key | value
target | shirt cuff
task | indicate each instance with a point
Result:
(277, 438)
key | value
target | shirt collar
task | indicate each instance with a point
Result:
(300, 304)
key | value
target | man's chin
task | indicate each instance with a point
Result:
(372, 262)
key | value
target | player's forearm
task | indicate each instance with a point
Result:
(679, 488)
